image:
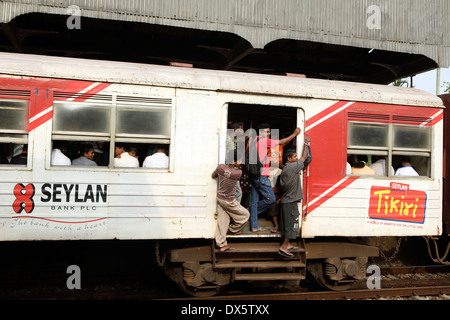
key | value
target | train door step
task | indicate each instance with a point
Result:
(260, 261)
(259, 264)
(268, 276)
(257, 247)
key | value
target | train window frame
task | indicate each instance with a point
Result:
(113, 138)
(17, 136)
(393, 153)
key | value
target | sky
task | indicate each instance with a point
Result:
(427, 81)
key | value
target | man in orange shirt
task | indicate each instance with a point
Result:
(262, 196)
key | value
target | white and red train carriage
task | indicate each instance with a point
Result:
(49, 101)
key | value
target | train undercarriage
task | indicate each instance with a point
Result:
(335, 264)
(203, 271)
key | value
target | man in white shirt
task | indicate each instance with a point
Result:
(406, 169)
(58, 157)
(124, 159)
(157, 160)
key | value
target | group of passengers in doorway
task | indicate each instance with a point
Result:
(97, 154)
(276, 189)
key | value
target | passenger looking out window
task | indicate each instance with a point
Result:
(87, 156)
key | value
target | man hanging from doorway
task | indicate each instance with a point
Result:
(290, 181)
(231, 215)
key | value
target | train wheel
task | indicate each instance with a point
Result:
(203, 291)
(316, 269)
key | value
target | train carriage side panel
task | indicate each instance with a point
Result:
(107, 203)
(341, 204)
(180, 202)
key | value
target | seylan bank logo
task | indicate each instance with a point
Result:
(24, 198)
(57, 194)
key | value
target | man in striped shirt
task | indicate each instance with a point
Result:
(228, 207)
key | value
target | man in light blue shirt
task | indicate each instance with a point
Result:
(87, 158)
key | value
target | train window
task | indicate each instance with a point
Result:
(13, 115)
(416, 138)
(143, 121)
(77, 128)
(143, 128)
(367, 135)
(81, 118)
(385, 148)
(122, 132)
(13, 132)
(412, 146)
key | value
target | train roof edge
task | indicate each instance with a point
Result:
(205, 79)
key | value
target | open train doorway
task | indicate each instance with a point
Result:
(283, 120)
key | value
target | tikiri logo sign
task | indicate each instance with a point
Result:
(397, 202)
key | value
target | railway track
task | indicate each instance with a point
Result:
(395, 283)
(393, 293)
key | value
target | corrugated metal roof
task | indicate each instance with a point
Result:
(413, 26)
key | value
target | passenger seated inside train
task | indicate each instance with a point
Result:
(133, 151)
(359, 166)
(406, 169)
(379, 166)
(159, 159)
(123, 158)
(58, 157)
(402, 165)
(8, 150)
(22, 157)
(86, 157)
(348, 168)
(64, 152)
(101, 150)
